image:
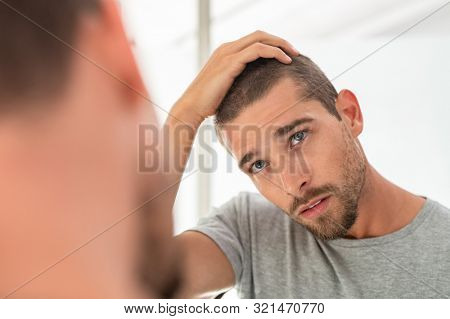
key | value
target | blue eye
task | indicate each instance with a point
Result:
(258, 166)
(298, 137)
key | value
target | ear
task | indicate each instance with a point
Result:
(114, 53)
(348, 107)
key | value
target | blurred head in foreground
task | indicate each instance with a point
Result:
(75, 215)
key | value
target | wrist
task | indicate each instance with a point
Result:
(183, 113)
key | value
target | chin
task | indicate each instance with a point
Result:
(327, 226)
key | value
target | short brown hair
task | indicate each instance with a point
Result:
(32, 61)
(261, 75)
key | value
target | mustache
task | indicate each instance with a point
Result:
(310, 194)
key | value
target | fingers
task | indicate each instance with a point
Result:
(260, 50)
(261, 37)
(227, 62)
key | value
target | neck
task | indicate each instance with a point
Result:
(383, 207)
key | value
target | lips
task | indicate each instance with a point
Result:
(314, 207)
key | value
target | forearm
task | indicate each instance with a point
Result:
(178, 137)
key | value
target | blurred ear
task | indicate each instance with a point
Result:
(110, 48)
(348, 107)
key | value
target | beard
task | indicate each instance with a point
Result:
(335, 222)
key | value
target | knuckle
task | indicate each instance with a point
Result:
(225, 45)
(259, 46)
(221, 48)
(279, 51)
(285, 43)
(259, 33)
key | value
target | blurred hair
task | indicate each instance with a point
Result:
(261, 75)
(33, 63)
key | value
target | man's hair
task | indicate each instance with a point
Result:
(261, 75)
(33, 62)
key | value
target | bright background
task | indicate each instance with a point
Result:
(400, 77)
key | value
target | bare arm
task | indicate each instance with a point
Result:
(206, 270)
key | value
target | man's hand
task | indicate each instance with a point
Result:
(205, 93)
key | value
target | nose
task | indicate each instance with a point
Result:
(294, 184)
(295, 178)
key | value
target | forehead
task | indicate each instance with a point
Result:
(258, 121)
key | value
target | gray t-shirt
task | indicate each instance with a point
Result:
(274, 257)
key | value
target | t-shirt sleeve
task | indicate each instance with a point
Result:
(227, 226)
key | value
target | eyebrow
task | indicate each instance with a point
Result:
(280, 132)
(245, 159)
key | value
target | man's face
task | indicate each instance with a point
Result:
(300, 157)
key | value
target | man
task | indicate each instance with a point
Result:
(330, 226)
(76, 216)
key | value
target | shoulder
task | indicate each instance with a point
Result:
(252, 211)
(249, 214)
(433, 225)
(438, 214)
(248, 203)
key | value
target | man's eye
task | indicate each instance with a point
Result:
(258, 166)
(298, 137)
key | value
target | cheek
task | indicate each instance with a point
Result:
(272, 193)
(324, 156)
